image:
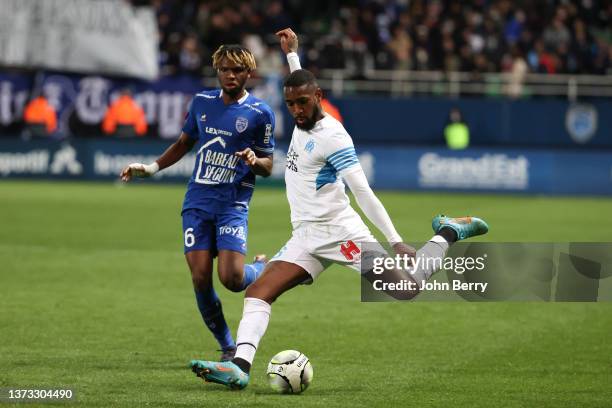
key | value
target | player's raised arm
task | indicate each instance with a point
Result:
(289, 45)
(174, 153)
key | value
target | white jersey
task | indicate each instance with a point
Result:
(326, 229)
(316, 160)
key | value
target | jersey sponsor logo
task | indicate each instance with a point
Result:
(215, 131)
(350, 250)
(268, 133)
(217, 175)
(221, 159)
(220, 167)
(213, 141)
(237, 232)
(310, 145)
(253, 107)
(292, 158)
(241, 124)
(215, 167)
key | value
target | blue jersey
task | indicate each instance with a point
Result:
(219, 178)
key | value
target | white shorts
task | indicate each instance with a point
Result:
(315, 246)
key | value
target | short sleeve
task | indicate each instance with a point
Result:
(190, 127)
(340, 152)
(264, 134)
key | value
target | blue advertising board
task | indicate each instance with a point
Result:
(390, 168)
(492, 122)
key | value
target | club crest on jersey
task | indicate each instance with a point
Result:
(241, 124)
(350, 250)
(310, 145)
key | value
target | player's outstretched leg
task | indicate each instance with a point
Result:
(225, 373)
(464, 227)
(448, 230)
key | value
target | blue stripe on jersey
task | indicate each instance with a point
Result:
(344, 160)
(326, 175)
(348, 163)
(342, 157)
(341, 151)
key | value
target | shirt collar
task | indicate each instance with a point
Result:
(239, 101)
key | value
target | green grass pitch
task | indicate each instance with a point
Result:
(95, 295)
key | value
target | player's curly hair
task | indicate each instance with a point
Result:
(236, 54)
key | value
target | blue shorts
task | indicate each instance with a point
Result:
(208, 231)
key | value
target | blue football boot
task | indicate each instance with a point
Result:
(225, 373)
(464, 227)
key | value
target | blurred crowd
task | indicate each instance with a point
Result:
(544, 36)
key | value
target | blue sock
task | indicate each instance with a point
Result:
(212, 313)
(252, 272)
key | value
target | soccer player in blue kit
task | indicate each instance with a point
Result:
(232, 132)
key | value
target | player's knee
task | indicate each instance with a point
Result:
(252, 291)
(259, 291)
(232, 281)
(201, 279)
(200, 282)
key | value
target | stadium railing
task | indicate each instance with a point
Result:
(454, 84)
(401, 83)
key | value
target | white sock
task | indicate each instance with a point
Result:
(434, 252)
(253, 325)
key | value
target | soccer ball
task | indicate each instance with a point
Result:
(289, 372)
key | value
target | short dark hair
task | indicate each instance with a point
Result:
(300, 77)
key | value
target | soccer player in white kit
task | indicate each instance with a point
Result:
(326, 229)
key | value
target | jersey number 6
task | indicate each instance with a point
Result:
(189, 237)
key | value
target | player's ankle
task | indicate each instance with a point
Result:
(242, 364)
(448, 234)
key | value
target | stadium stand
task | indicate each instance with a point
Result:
(573, 37)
